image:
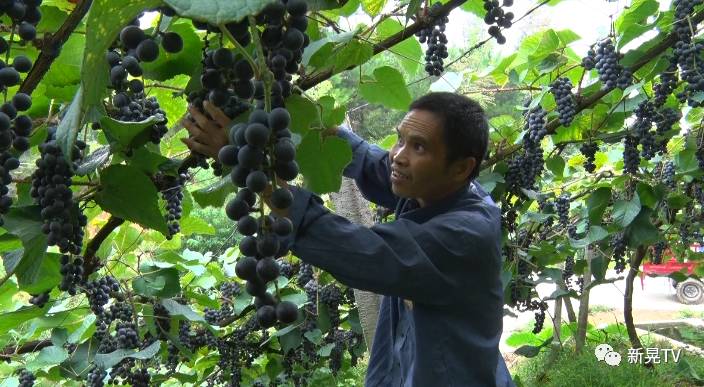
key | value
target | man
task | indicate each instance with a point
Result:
(438, 264)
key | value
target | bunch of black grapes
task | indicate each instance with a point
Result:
(15, 129)
(568, 271)
(227, 78)
(434, 35)
(284, 38)
(561, 89)
(125, 57)
(539, 308)
(631, 156)
(26, 378)
(658, 249)
(667, 84)
(687, 53)
(668, 174)
(331, 296)
(172, 193)
(562, 206)
(496, 15)
(525, 169)
(63, 220)
(618, 243)
(8, 162)
(646, 115)
(605, 59)
(262, 150)
(665, 120)
(700, 151)
(24, 15)
(588, 150)
(98, 293)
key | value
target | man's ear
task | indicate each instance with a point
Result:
(463, 168)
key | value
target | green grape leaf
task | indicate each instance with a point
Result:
(48, 357)
(93, 161)
(176, 309)
(120, 185)
(352, 54)
(373, 7)
(215, 194)
(69, 126)
(155, 281)
(332, 116)
(408, 52)
(641, 231)
(323, 177)
(107, 360)
(626, 210)
(597, 203)
(125, 135)
(303, 113)
(36, 270)
(217, 11)
(15, 319)
(387, 87)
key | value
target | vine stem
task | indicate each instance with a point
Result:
(7, 55)
(48, 53)
(264, 73)
(239, 47)
(306, 83)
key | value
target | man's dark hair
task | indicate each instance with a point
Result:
(464, 124)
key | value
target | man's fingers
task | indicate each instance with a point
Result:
(195, 145)
(205, 124)
(191, 127)
(217, 114)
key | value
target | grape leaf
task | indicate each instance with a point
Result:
(93, 161)
(107, 360)
(323, 177)
(125, 135)
(407, 52)
(217, 11)
(373, 7)
(120, 185)
(215, 194)
(387, 87)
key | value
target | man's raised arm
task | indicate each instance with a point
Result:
(370, 169)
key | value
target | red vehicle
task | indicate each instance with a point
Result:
(689, 291)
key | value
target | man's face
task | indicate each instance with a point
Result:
(418, 167)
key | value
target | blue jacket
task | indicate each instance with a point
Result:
(445, 258)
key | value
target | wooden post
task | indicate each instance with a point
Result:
(583, 317)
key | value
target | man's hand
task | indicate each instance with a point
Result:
(207, 135)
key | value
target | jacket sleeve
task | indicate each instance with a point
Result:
(427, 263)
(370, 169)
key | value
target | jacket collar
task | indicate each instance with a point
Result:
(410, 209)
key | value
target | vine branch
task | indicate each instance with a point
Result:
(51, 47)
(90, 261)
(306, 83)
(32, 346)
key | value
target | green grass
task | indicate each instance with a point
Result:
(687, 313)
(600, 308)
(570, 369)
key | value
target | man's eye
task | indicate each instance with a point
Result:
(419, 147)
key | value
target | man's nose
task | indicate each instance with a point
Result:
(399, 155)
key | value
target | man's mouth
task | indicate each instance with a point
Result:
(398, 175)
